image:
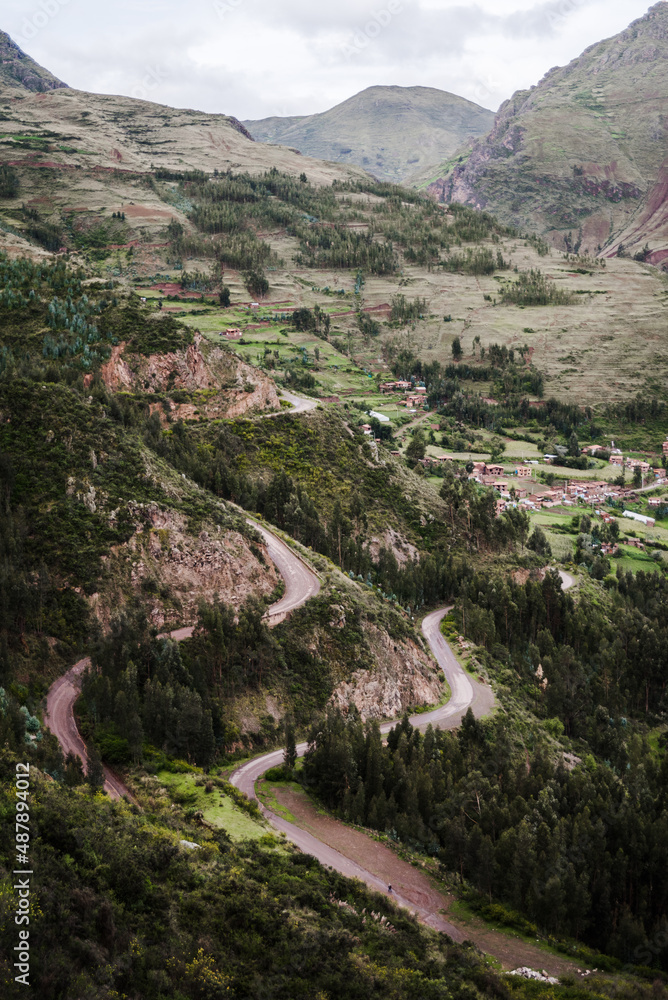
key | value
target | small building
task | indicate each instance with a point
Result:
(232, 334)
(523, 471)
(643, 518)
(635, 543)
(665, 447)
(495, 470)
(367, 429)
(657, 502)
(616, 460)
(636, 463)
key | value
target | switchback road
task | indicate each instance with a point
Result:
(301, 584)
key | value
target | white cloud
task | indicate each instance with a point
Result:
(254, 58)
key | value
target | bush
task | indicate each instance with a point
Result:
(282, 773)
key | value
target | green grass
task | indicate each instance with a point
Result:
(635, 560)
(216, 807)
(266, 791)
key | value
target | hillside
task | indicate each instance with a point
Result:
(392, 132)
(425, 531)
(19, 72)
(582, 156)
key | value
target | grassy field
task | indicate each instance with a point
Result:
(607, 346)
(630, 558)
(216, 807)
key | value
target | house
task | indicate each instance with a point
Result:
(635, 542)
(367, 429)
(495, 470)
(609, 549)
(656, 502)
(665, 447)
(635, 463)
(414, 401)
(524, 472)
(232, 334)
(403, 386)
(643, 518)
(616, 460)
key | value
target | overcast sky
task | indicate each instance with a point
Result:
(255, 58)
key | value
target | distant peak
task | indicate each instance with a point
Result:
(18, 69)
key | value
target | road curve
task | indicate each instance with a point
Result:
(301, 584)
(300, 404)
(59, 717)
(465, 693)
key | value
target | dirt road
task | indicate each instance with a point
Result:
(59, 717)
(465, 692)
(300, 585)
(299, 405)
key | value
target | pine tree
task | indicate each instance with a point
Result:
(94, 769)
(290, 752)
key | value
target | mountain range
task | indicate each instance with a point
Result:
(582, 157)
(393, 132)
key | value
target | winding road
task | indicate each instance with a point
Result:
(301, 584)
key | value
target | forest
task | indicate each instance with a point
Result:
(577, 854)
(551, 816)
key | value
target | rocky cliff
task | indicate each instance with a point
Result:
(18, 70)
(202, 381)
(582, 157)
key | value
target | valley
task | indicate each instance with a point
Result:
(334, 547)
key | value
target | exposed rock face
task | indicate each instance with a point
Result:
(175, 570)
(574, 157)
(403, 551)
(403, 677)
(18, 69)
(223, 385)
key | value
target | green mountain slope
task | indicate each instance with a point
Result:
(390, 131)
(19, 70)
(585, 149)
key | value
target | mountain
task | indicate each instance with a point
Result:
(585, 150)
(66, 151)
(17, 70)
(392, 132)
(72, 128)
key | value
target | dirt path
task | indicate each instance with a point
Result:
(415, 889)
(300, 585)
